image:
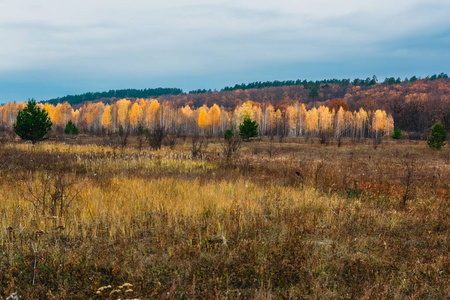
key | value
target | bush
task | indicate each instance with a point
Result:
(437, 137)
(32, 123)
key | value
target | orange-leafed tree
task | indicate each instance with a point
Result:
(153, 113)
(338, 103)
(362, 118)
(202, 115)
(93, 113)
(312, 121)
(63, 113)
(214, 118)
(136, 114)
(325, 118)
(123, 116)
(187, 115)
(106, 117)
(50, 109)
(292, 117)
(339, 122)
(379, 122)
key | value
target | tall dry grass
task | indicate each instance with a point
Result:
(310, 222)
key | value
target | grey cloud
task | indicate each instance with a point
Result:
(141, 42)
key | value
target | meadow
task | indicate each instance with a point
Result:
(292, 220)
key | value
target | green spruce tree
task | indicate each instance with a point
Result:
(32, 123)
(248, 129)
(397, 134)
(71, 128)
(437, 137)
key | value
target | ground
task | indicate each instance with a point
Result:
(296, 219)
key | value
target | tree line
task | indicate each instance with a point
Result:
(334, 120)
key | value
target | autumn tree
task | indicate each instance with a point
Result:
(339, 124)
(202, 115)
(379, 122)
(336, 104)
(106, 117)
(245, 111)
(123, 116)
(63, 113)
(153, 113)
(92, 114)
(187, 114)
(50, 109)
(136, 114)
(312, 120)
(213, 118)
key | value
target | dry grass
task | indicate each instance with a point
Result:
(313, 221)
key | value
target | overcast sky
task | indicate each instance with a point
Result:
(54, 48)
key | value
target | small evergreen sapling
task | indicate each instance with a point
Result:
(397, 134)
(437, 137)
(32, 123)
(248, 129)
(71, 128)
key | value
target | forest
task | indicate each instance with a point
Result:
(414, 105)
(335, 109)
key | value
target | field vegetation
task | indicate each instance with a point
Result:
(299, 219)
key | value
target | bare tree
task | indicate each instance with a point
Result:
(140, 136)
(123, 137)
(230, 144)
(156, 136)
(199, 145)
(272, 150)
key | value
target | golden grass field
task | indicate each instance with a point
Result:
(309, 221)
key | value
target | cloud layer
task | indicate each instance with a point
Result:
(53, 48)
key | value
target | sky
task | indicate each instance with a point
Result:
(51, 48)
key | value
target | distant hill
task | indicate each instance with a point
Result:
(125, 93)
(312, 86)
